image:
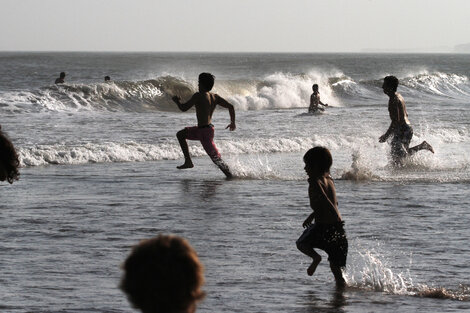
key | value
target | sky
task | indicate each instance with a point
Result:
(234, 25)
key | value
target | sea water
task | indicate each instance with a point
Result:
(99, 174)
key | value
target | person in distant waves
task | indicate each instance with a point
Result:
(107, 78)
(163, 274)
(60, 79)
(9, 161)
(205, 103)
(400, 127)
(315, 100)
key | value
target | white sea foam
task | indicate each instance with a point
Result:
(356, 158)
(281, 90)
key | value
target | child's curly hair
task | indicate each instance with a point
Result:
(9, 161)
(163, 274)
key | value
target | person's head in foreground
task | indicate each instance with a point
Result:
(9, 161)
(318, 161)
(206, 82)
(315, 87)
(163, 275)
(390, 85)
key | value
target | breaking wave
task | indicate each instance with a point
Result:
(275, 91)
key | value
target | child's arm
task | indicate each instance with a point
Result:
(395, 117)
(308, 221)
(387, 134)
(185, 106)
(224, 103)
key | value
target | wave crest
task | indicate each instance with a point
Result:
(275, 91)
(140, 96)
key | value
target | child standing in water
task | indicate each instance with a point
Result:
(315, 100)
(327, 233)
(205, 103)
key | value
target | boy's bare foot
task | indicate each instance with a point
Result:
(187, 164)
(427, 146)
(311, 269)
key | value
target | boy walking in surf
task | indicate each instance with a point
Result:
(205, 103)
(400, 126)
(315, 100)
(327, 233)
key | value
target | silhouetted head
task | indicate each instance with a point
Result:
(315, 87)
(107, 78)
(163, 274)
(390, 84)
(206, 82)
(9, 161)
(318, 161)
(62, 75)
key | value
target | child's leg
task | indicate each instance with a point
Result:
(223, 167)
(338, 273)
(182, 135)
(209, 146)
(316, 260)
(308, 250)
(422, 146)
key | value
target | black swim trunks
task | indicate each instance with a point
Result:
(330, 238)
(401, 141)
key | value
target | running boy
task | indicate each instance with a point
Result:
(400, 126)
(315, 100)
(327, 233)
(205, 103)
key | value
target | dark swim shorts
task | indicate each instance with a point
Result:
(401, 141)
(330, 238)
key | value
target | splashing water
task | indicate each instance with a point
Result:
(370, 270)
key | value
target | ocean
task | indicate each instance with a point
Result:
(99, 174)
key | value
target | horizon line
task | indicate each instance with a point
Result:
(369, 51)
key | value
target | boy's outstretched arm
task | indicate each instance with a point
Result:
(185, 106)
(224, 103)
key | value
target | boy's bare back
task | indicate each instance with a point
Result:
(397, 110)
(322, 194)
(205, 106)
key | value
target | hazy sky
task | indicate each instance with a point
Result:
(234, 25)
